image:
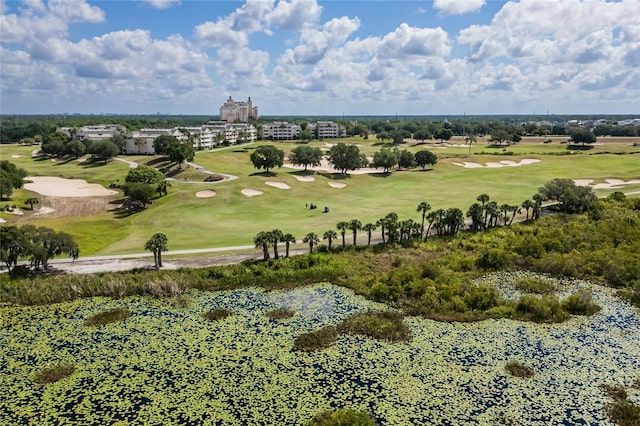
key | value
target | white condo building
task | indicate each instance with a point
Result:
(93, 133)
(328, 130)
(280, 130)
(238, 112)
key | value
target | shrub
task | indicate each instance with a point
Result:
(55, 373)
(481, 297)
(280, 313)
(217, 314)
(536, 285)
(493, 259)
(316, 340)
(519, 370)
(581, 303)
(541, 309)
(107, 317)
(343, 417)
(624, 413)
(379, 325)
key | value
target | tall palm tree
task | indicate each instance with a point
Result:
(312, 239)
(288, 239)
(423, 207)
(475, 213)
(31, 201)
(354, 225)
(329, 235)
(276, 236)
(514, 209)
(391, 224)
(157, 244)
(538, 199)
(342, 227)
(483, 198)
(262, 240)
(527, 205)
(432, 217)
(369, 228)
(471, 138)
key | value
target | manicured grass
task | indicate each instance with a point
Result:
(231, 219)
(54, 374)
(107, 317)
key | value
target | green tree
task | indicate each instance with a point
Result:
(345, 157)
(119, 139)
(422, 134)
(157, 244)
(13, 245)
(571, 198)
(527, 205)
(330, 235)
(140, 193)
(104, 150)
(288, 239)
(74, 148)
(424, 157)
(144, 174)
(453, 221)
(267, 157)
(369, 228)
(342, 227)
(262, 240)
(31, 201)
(582, 135)
(275, 236)
(385, 158)
(45, 243)
(443, 133)
(179, 153)
(470, 139)
(423, 208)
(354, 226)
(476, 214)
(11, 177)
(312, 239)
(305, 155)
(406, 159)
(162, 142)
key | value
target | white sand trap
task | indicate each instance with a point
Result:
(275, 184)
(608, 183)
(337, 185)
(59, 187)
(44, 210)
(17, 156)
(207, 193)
(503, 163)
(251, 192)
(17, 212)
(2, 220)
(326, 167)
(328, 145)
(305, 178)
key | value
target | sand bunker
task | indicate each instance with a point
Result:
(608, 183)
(503, 163)
(207, 193)
(326, 167)
(17, 156)
(337, 185)
(275, 184)
(305, 178)
(2, 220)
(251, 192)
(44, 210)
(59, 187)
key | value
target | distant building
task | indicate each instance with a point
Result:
(327, 130)
(238, 112)
(141, 141)
(280, 130)
(93, 133)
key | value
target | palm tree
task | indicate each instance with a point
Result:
(312, 239)
(329, 235)
(475, 213)
(538, 199)
(288, 239)
(391, 224)
(491, 214)
(342, 227)
(423, 207)
(483, 198)
(31, 201)
(514, 209)
(263, 239)
(527, 204)
(354, 225)
(276, 236)
(471, 138)
(369, 228)
(157, 244)
(453, 221)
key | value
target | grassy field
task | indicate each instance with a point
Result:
(230, 219)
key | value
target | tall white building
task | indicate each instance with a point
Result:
(238, 112)
(280, 130)
(328, 130)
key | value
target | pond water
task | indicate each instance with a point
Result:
(167, 365)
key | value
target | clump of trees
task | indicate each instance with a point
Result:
(11, 177)
(345, 157)
(266, 239)
(267, 157)
(304, 155)
(142, 183)
(38, 244)
(178, 152)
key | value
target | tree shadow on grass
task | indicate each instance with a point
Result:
(264, 174)
(303, 173)
(92, 163)
(380, 174)
(335, 176)
(574, 147)
(120, 209)
(156, 161)
(422, 170)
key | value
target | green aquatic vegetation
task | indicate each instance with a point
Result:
(518, 369)
(217, 314)
(280, 314)
(621, 410)
(535, 284)
(54, 374)
(343, 417)
(581, 303)
(107, 317)
(316, 340)
(541, 309)
(386, 325)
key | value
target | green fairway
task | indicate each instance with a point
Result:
(230, 218)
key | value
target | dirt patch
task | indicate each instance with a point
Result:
(44, 210)
(337, 185)
(207, 193)
(59, 187)
(275, 184)
(251, 192)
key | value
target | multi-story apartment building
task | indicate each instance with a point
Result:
(93, 133)
(141, 141)
(280, 130)
(238, 112)
(327, 130)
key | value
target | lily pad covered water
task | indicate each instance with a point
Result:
(166, 364)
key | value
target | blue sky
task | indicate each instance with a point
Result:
(307, 57)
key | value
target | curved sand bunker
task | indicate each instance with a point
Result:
(275, 184)
(59, 187)
(305, 178)
(337, 185)
(251, 192)
(608, 183)
(503, 163)
(207, 193)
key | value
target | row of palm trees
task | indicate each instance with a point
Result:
(484, 214)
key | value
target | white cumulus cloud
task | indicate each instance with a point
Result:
(457, 7)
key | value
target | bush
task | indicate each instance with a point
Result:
(541, 309)
(379, 325)
(217, 314)
(519, 370)
(316, 340)
(535, 285)
(581, 303)
(55, 373)
(343, 417)
(493, 259)
(107, 317)
(481, 297)
(280, 313)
